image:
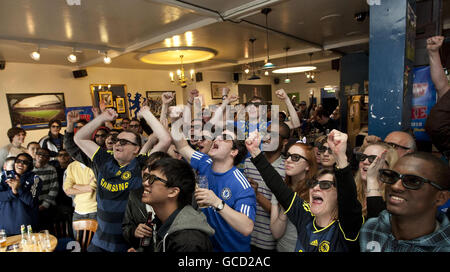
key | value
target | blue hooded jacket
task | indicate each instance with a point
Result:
(20, 209)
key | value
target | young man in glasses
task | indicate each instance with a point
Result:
(54, 140)
(230, 200)
(168, 187)
(116, 175)
(415, 187)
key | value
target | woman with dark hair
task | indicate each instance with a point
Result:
(331, 219)
(19, 196)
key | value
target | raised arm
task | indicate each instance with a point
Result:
(295, 121)
(178, 137)
(166, 98)
(83, 136)
(349, 208)
(69, 144)
(270, 176)
(437, 72)
(218, 117)
(159, 130)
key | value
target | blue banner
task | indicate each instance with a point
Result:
(85, 112)
(424, 98)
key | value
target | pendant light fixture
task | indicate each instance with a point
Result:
(310, 74)
(287, 80)
(268, 64)
(254, 76)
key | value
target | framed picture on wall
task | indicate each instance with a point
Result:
(110, 93)
(216, 92)
(106, 97)
(34, 111)
(154, 101)
(120, 104)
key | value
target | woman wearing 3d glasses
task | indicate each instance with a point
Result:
(19, 191)
(330, 222)
(300, 165)
(366, 186)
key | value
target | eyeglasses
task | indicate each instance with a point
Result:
(322, 149)
(25, 162)
(362, 157)
(396, 146)
(294, 157)
(323, 184)
(55, 126)
(100, 135)
(133, 126)
(152, 178)
(411, 182)
(43, 154)
(122, 142)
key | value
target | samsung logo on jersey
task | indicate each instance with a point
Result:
(114, 187)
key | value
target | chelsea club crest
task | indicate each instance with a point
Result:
(226, 193)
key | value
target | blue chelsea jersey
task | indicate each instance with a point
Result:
(233, 188)
(114, 183)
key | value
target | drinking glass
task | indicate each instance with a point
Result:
(2, 238)
(202, 182)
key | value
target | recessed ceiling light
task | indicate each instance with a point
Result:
(35, 55)
(72, 58)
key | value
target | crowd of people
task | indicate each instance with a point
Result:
(205, 188)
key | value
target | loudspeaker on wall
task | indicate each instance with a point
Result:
(236, 77)
(276, 81)
(79, 73)
(2, 64)
(198, 76)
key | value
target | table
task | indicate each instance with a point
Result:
(29, 247)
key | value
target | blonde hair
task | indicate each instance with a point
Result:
(361, 185)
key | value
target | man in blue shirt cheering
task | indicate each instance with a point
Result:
(230, 199)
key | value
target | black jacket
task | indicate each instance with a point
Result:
(135, 214)
(186, 231)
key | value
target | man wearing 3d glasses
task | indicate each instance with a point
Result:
(417, 184)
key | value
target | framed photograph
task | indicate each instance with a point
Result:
(34, 111)
(106, 97)
(117, 90)
(154, 101)
(120, 104)
(216, 93)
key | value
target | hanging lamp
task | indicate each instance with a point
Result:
(268, 64)
(254, 76)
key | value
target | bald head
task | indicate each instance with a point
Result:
(403, 142)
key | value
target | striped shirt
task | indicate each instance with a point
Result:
(262, 235)
(50, 185)
(114, 183)
(233, 188)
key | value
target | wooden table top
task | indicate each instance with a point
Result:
(34, 246)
